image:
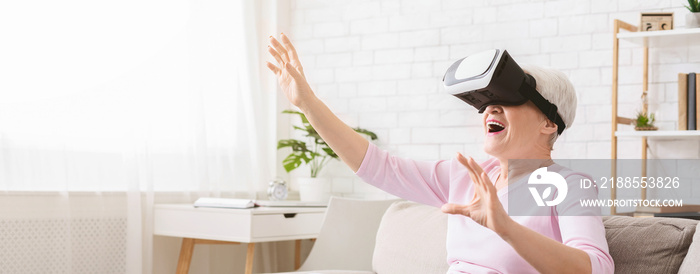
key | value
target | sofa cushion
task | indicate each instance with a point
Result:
(411, 232)
(648, 245)
(329, 272)
(691, 263)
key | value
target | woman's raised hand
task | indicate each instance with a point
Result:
(350, 146)
(485, 208)
(290, 74)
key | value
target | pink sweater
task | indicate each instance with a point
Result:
(472, 248)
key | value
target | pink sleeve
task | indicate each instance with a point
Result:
(587, 233)
(583, 228)
(419, 181)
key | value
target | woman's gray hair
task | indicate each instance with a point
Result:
(555, 87)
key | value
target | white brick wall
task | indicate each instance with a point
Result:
(381, 63)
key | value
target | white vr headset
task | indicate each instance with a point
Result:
(492, 77)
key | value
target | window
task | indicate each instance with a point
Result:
(95, 93)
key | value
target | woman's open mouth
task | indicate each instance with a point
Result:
(494, 127)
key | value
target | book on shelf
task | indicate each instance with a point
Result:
(682, 101)
(684, 215)
(641, 214)
(688, 101)
(692, 107)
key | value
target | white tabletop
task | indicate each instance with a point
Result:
(244, 211)
(260, 224)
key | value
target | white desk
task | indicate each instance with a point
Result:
(233, 226)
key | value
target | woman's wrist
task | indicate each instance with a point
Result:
(308, 104)
(509, 229)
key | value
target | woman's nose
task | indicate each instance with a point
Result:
(493, 109)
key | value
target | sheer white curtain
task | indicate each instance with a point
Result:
(107, 105)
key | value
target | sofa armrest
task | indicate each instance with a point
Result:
(691, 262)
(411, 239)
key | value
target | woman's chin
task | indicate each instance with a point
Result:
(496, 143)
(493, 150)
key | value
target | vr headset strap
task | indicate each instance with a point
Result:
(527, 89)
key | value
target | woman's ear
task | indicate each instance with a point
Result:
(549, 127)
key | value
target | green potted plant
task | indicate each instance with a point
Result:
(692, 19)
(644, 121)
(317, 156)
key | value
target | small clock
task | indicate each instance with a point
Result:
(277, 190)
(651, 21)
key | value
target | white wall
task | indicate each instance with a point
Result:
(379, 65)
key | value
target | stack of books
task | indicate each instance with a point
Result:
(688, 101)
(225, 203)
(247, 203)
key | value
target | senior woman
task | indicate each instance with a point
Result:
(481, 237)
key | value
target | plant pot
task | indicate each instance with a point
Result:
(692, 20)
(646, 128)
(314, 189)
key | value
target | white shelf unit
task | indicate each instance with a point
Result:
(661, 134)
(658, 33)
(658, 38)
(646, 39)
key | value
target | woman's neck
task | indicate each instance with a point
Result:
(513, 169)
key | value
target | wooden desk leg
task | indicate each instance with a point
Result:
(297, 254)
(249, 259)
(183, 265)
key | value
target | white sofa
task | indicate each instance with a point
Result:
(410, 238)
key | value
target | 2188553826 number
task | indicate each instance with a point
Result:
(639, 182)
